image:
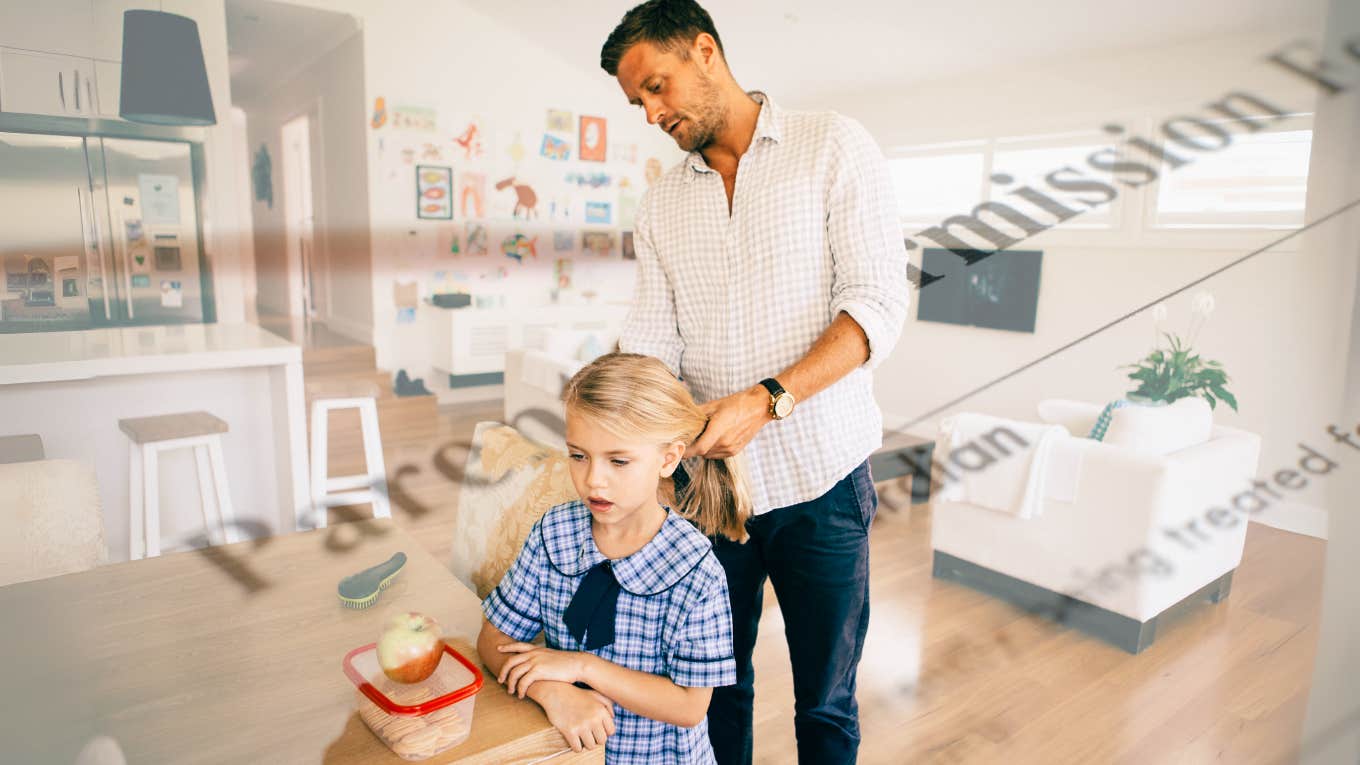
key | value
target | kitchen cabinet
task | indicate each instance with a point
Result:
(108, 26)
(44, 83)
(108, 81)
(64, 27)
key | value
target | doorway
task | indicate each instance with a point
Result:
(308, 292)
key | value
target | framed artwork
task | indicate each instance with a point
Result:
(593, 144)
(434, 192)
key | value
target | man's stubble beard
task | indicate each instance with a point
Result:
(709, 118)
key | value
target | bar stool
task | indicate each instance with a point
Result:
(369, 486)
(150, 436)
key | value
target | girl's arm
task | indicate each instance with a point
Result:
(653, 696)
(585, 718)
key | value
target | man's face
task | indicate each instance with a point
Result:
(677, 94)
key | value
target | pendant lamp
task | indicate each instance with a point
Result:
(165, 81)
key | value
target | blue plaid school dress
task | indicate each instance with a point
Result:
(673, 618)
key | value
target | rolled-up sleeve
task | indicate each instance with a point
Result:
(868, 251)
(513, 606)
(651, 327)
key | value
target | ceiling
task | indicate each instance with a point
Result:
(269, 42)
(808, 51)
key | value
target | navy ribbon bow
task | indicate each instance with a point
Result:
(590, 615)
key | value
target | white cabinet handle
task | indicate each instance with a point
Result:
(75, 76)
(89, 94)
(61, 90)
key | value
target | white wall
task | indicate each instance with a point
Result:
(1332, 729)
(461, 63)
(328, 92)
(1280, 317)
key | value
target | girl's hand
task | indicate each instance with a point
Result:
(585, 718)
(532, 663)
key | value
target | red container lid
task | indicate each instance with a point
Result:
(454, 679)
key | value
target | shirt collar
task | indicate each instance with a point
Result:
(767, 127)
(675, 550)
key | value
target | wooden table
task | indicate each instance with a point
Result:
(233, 655)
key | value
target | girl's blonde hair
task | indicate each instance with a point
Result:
(636, 396)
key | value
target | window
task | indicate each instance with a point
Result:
(935, 182)
(1030, 159)
(1259, 181)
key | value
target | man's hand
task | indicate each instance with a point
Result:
(584, 718)
(532, 663)
(732, 422)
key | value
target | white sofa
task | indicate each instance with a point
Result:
(1105, 562)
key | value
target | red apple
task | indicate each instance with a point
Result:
(410, 647)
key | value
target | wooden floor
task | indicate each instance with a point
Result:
(953, 676)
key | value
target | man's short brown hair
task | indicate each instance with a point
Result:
(669, 24)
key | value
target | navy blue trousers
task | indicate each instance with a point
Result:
(816, 554)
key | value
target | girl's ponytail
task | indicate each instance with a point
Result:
(717, 499)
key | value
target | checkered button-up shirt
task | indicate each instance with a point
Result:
(673, 618)
(728, 300)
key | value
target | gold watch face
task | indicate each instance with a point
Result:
(783, 406)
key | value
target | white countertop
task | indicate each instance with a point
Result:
(55, 356)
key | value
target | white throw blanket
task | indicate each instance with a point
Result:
(992, 469)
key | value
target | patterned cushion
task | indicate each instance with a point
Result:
(51, 523)
(510, 481)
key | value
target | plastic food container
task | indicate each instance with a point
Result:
(416, 720)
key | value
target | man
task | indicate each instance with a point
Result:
(772, 279)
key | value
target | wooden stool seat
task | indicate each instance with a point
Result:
(199, 431)
(168, 427)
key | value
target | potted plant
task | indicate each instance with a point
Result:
(1174, 372)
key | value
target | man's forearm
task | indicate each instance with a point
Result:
(838, 351)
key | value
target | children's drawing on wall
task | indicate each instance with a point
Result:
(564, 241)
(418, 118)
(514, 149)
(450, 235)
(598, 180)
(597, 243)
(623, 152)
(471, 195)
(555, 148)
(517, 247)
(560, 208)
(434, 192)
(379, 113)
(408, 155)
(598, 212)
(559, 121)
(470, 141)
(628, 202)
(526, 200)
(430, 152)
(628, 252)
(593, 141)
(652, 170)
(562, 273)
(261, 175)
(476, 239)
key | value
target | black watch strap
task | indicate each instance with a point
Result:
(772, 385)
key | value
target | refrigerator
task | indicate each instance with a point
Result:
(99, 231)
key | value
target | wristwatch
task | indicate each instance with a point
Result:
(781, 401)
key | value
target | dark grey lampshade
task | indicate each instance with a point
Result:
(164, 79)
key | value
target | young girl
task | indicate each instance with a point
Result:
(632, 603)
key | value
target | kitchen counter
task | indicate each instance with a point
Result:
(72, 388)
(80, 355)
